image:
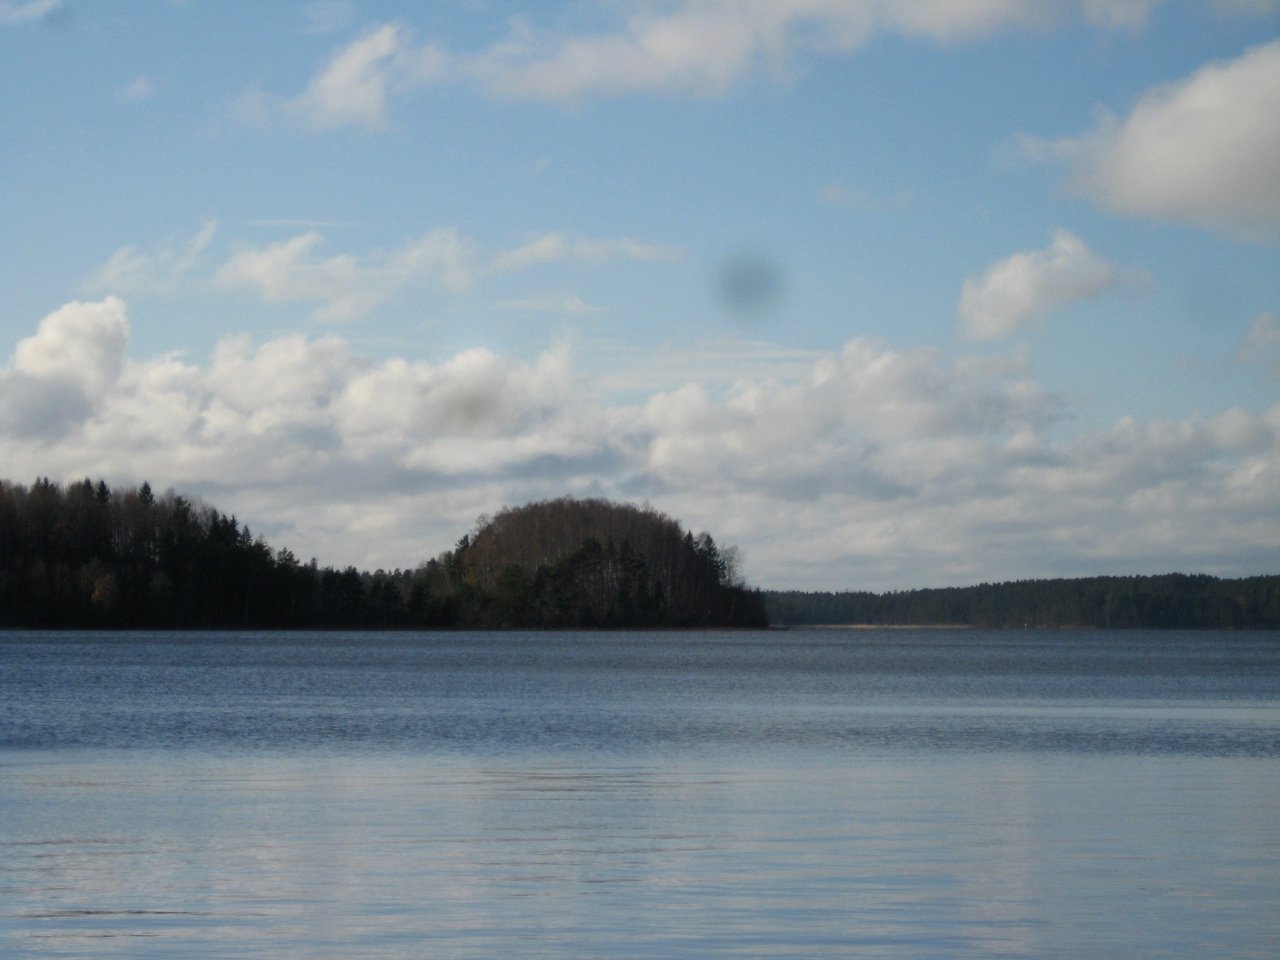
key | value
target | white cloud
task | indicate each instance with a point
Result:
(1026, 286)
(871, 467)
(129, 270)
(296, 223)
(348, 287)
(59, 373)
(869, 416)
(569, 304)
(547, 248)
(554, 246)
(619, 368)
(25, 11)
(701, 48)
(598, 249)
(705, 47)
(476, 413)
(328, 16)
(1261, 343)
(353, 87)
(845, 197)
(80, 342)
(137, 90)
(1204, 150)
(698, 47)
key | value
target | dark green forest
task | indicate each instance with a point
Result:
(86, 555)
(1170, 601)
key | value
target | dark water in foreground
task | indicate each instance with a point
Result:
(899, 794)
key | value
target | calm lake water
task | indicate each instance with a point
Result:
(895, 794)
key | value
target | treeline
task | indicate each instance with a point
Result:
(1168, 601)
(89, 556)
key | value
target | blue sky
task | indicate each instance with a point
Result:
(888, 294)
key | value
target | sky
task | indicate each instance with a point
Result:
(886, 294)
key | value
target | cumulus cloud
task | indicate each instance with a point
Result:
(80, 342)
(477, 413)
(870, 418)
(924, 491)
(57, 374)
(1026, 286)
(870, 467)
(618, 368)
(1204, 150)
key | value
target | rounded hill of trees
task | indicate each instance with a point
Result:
(570, 563)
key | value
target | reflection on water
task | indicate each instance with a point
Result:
(794, 795)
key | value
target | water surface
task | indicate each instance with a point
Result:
(793, 794)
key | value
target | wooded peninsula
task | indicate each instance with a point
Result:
(88, 556)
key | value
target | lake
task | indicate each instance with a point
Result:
(802, 793)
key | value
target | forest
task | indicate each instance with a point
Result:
(85, 555)
(88, 556)
(1167, 601)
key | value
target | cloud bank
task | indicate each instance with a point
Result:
(871, 467)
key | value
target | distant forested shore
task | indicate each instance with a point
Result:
(85, 555)
(89, 556)
(1168, 601)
